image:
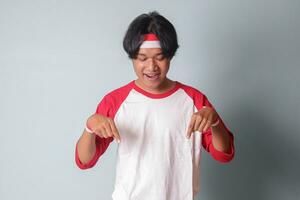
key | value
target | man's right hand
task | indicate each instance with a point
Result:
(103, 126)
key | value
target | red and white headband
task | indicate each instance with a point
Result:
(150, 41)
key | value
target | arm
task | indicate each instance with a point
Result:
(85, 149)
(89, 148)
(218, 140)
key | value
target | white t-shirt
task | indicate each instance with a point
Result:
(155, 159)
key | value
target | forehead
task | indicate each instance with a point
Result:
(150, 51)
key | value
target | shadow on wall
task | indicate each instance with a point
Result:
(265, 115)
(266, 163)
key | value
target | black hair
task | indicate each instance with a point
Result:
(150, 23)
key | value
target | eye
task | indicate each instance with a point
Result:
(160, 57)
(142, 58)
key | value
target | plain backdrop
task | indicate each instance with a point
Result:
(59, 58)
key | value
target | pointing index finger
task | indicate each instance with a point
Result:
(191, 126)
(115, 131)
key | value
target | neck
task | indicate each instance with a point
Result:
(164, 87)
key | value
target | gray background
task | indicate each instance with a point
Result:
(58, 59)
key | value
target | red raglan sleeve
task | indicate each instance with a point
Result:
(207, 141)
(104, 108)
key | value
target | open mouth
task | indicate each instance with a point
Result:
(152, 76)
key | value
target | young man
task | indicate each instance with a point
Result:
(160, 125)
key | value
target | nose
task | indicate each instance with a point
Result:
(152, 65)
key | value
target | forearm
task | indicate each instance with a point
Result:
(86, 147)
(220, 138)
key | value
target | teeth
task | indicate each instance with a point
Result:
(151, 75)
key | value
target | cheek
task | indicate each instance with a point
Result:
(164, 68)
(139, 70)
